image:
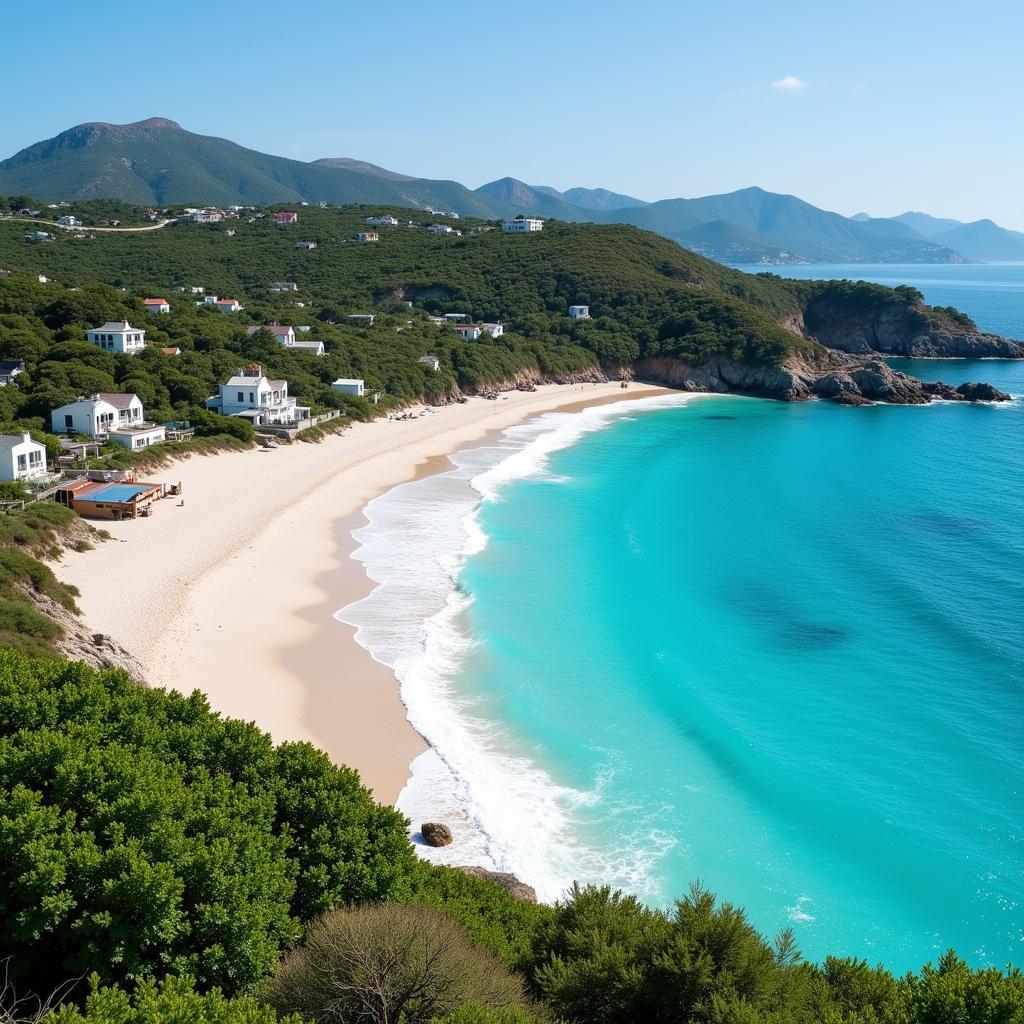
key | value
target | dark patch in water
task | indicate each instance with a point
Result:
(810, 636)
(779, 619)
(948, 525)
(718, 416)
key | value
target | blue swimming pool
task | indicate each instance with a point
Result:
(117, 492)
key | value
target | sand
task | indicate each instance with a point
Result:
(234, 592)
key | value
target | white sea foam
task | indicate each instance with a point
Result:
(506, 812)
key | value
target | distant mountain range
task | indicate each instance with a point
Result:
(156, 162)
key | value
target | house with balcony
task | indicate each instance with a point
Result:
(108, 416)
(522, 225)
(117, 336)
(21, 458)
(251, 395)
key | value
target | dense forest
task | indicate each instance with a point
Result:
(191, 870)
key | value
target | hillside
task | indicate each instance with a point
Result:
(156, 163)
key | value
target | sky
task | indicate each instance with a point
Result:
(869, 106)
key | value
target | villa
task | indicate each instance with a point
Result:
(117, 336)
(285, 217)
(284, 286)
(250, 395)
(469, 332)
(156, 305)
(382, 221)
(224, 305)
(579, 312)
(108, 416)
(305, 245)
(441, 229)
(68, 221)
(432, 361)
(494, 330)
(522, 224)
(350, 386)
(367, 236)
(21, 458)
(208, 216)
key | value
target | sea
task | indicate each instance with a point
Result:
(776, 649)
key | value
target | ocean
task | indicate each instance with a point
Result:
(776, 648)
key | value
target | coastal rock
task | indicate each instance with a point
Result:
(512, 885)
(436, 834)
(982, 392)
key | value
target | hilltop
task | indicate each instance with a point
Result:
(156, 162)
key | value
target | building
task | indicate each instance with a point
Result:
(469, 332)
(350, 386)
(250, 395)
(367, 236)
(37, 236)
(68, 221)
(283, 333)
(111, 499)
(456, 318)
(9, 369)
(494, 330)
(284, 286)
(362, 318)
(21, 458)
(441, 229)
(305, 245)
(108, 416)
(208, 216)
(156, 305)
(316, 347)
(579, 312)
(117, 336)
(175, 351)
(284, 217)
(224, 305)
(5, 272)
(43, 279)
(522, 224)
(432, 361)
(382, 221)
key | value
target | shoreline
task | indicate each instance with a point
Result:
(234, 593)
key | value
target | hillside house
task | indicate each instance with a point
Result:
(284, 286)
(469, 332)
(579, 312)
(366, 319)
(522, 225)
(305, 245)
(382, 221)
(367, 236)
(494, 330)
(207, 216)
(285, 217)
(224, 305)
(252, 396)
(171, 351)
(108, 416)
(117, 336)
(456, 318)
(37, 236)
(441, 229)
(432, 361)
(316, 347)
(350, 386)
(9, 369)
(68, 221)
(283, 333)
(156, 305)
(21, 458)
(42, 279)
(5, 272)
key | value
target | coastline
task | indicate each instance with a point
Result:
(235, 592)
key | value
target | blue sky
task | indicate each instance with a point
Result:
(906, 104)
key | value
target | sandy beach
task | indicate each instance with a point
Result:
(234, 592)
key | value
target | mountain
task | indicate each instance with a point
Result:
(535, 199)
(157, 162)
(925, 224)
(809, 234)
(363, 166)
(984, 241)
(598, 199)
(718, 239)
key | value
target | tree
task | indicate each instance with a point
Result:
(387, 964)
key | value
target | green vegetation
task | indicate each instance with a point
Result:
(175, 857)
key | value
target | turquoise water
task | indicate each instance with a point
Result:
(774, 647)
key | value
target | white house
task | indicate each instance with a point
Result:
(224, 305)
(579, 312)
(469, 332)
(208, 216)
(349, 386)
(305, 245)
(456, 318)
(43, 279)
(316, 347)
(284, 333)
(156, 305)
(117, 336)
(367, 236)
(9, 369)
(382, 221)
(522, 223)
(21, 458)
(441, 229)
(284, 286)
(108, 415)
(494, 330)
(250, 395)
(362, 318)
(69, 222)
(432, 361)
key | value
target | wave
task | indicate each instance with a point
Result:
(506, 812)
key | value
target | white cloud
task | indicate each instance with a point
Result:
(789, 84)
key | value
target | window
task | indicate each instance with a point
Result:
(241, 397)
(21, 463)
(35, 458)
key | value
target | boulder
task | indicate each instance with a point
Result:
(508, 882)
(436, 834)
(982, 392)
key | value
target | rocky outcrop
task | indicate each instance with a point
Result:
(901, 330)
(508, 882)
(835, 376)
(436, 834)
